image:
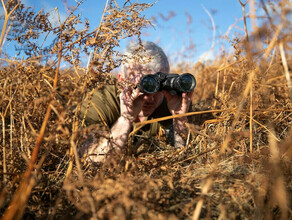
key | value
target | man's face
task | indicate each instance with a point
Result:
(151, 101)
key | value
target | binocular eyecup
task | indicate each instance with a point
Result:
(174, 83)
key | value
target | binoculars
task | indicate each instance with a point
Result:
(174, 83)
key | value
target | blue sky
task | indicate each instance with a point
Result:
(190, 25)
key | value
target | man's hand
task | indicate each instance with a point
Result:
(178, 104)
(131, 100)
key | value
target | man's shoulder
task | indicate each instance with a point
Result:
(106, 92)
(103, 105)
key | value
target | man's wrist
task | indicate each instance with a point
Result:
(180, 131)
(127, 118)
(120, 131)
(180, 120)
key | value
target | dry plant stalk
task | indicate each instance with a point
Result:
(6, 19)
(18, 203)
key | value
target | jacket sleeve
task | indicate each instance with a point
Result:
(103, 107)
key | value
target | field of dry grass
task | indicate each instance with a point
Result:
(237, 163)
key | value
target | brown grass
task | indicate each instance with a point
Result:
(236, 164)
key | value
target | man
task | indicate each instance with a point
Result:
(119, 111)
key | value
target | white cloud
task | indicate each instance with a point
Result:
(207, 56)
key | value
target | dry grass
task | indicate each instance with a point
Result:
(236, 165)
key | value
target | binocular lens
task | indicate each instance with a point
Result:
(171, 82)
(186, 82)
(149, 85)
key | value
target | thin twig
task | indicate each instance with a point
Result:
(209, 111)
(229, 65)
(267, 13)
(273, 41)
(216, 89)
(198, 155)
(199, 205)
(214, 32)
(20, 197)
(252, 10)
(286, 69)
(4, 149)
(6, 19)
(91, 56)
(250, 120)
(244, 18)
(237, 114)
(280, 194)
(265, 127)
(183, 115)
(11, 130)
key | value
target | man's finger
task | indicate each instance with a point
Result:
(167, 95)
(135, 94)
(190, 94)
(187, 97)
